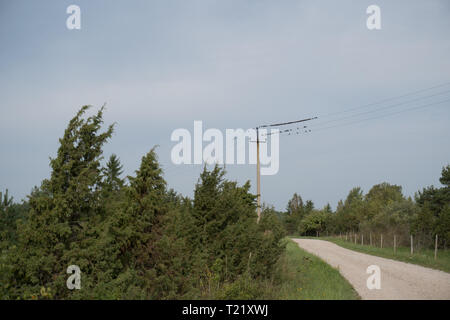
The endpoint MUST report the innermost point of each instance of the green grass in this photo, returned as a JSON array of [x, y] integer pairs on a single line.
[[304, 276], [424, 257], [298, 275]]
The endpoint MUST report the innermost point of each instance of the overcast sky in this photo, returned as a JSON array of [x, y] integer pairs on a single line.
[[160, 65]]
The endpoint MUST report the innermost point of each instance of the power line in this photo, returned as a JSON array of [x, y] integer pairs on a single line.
[[384, 108], [285, 123], [289, 131], [258, 165], [384, 115], [386, 100]]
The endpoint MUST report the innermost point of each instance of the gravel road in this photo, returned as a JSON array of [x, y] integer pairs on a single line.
[[399, 280]]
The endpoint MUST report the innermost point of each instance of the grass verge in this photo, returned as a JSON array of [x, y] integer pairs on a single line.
[[424, 257], [304, 276]]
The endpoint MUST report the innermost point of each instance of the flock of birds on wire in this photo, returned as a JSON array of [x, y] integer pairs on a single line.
[[354, 114]]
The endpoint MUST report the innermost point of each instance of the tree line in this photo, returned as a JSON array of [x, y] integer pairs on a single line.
[[133, 237], [382, 210]]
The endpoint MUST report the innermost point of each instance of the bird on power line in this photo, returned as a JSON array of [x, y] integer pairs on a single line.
[[258, 178]]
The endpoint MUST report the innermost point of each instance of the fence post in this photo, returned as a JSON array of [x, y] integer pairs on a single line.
[[346, 236], [412, 245], [355, 238], [395, 250], [381, 241], [435, 247], [370, 235], [362, 239]]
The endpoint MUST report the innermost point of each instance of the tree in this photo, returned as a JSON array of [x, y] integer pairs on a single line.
[[445, 176], [150, 258], [112, 173], [6, 223], [10, 214], [226, 220], [58, 229], [295, 205], [5, 201], [228, 241], [433, 216], [396, 217], [315, 222], [349, 212], [296, 210]]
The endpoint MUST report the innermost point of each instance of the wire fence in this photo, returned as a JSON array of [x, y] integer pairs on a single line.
[[415, 243]]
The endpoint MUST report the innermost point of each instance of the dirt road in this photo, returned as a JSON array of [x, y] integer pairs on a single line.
[[399, 280]]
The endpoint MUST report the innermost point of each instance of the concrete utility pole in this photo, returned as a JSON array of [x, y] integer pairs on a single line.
[[258, 166], [258, 177]]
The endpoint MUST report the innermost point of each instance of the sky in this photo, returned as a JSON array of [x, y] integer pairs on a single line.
[[160, 65]]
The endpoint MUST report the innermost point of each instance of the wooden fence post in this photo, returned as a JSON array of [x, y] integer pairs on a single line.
[[370, 235], [412, 245], [362, 239], [381, 241], [395, 250], [435, 247]]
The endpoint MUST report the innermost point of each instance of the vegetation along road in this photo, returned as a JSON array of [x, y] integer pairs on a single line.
[[398, 280]]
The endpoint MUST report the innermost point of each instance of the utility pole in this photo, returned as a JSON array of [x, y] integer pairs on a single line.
[[258, 165], [258, 177]]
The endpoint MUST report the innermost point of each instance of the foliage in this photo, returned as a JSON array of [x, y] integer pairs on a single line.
[[141, 240], [382, 210], [112, 173], [135, 240], [227, 238]]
